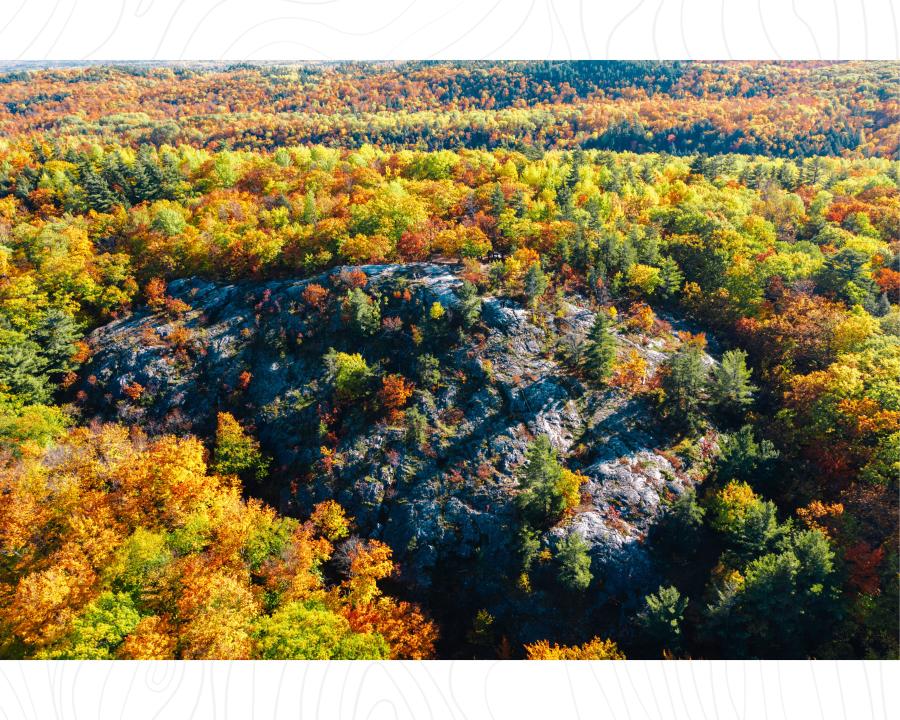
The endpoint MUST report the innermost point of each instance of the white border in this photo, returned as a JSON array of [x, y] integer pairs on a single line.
[[452, 690], [238, 30]]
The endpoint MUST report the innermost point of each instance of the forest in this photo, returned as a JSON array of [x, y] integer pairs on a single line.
[[711, 250]]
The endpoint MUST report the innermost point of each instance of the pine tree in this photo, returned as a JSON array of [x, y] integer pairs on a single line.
[[684, 385], [535, 283], [671, 276], [498, 201], [469, 304], [600, 350], [574, 563], [662, 616], [99, 196], [730, 388]]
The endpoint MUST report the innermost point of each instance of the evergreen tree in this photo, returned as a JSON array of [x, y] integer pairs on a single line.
[[662, 617], [600, 350], [363, 313], [684, 384], [671, 276], [574, 563], [469, 304], [99, 196], [540, 500], [535, 283], [498, 201], [730, 388]]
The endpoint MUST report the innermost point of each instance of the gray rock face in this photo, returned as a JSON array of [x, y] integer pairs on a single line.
[[447, 507]]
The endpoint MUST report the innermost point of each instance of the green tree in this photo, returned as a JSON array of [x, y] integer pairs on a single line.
[[845, 275], [677, 534], [662, 617], [469, 304], [535, 283], [309, 631], [747, 524], [428, 370], [416, 427], [574, 560], [98, 630], [543, 497], [781, 604], [237, 453], [684, 383], [599, 353], [23, 368], [349, 373], [730, 389], [741, 457], [362, 312]]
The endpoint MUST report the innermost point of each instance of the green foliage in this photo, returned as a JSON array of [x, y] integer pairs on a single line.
[[309, 631], [730, 389], [416, 427], [469, 304], [33, 424], [741, 457], [98, 630], [428, 370], [236, 452], [846, 276], [599, 353], [541, 499], [363, 313], [662, 617], [677, 534], [535, 283], [23, 368], [783, 601], [349, 373], [684, 384], [573, 557], [748, 524]]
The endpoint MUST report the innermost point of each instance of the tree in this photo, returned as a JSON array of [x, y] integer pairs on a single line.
[[309, 631], [535, 283], [416, 427], [846, 276], [349, 373], [574, 560], [730, 389], [747, 523], [23, 368], [237, 453], [330, 520], [545, 487], [595, 649], [98, 631], [684, 385], [676, 535], [362, 313], [779, 605], [662, 616], [428, 370], [469, 304], [741, 457], [600, 350], [394, 393]]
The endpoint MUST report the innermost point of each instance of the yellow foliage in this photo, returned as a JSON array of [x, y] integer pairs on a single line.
[[595, 649]]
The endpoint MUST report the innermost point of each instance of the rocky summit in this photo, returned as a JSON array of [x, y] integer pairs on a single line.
[[441, 488]]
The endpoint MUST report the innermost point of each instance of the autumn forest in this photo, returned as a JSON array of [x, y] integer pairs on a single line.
[[450, 360]]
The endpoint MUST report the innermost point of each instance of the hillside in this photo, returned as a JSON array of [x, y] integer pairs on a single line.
[[515, 395], [445, 499]]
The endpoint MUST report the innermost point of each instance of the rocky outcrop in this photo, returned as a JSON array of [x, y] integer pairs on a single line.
[[446, 507]]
